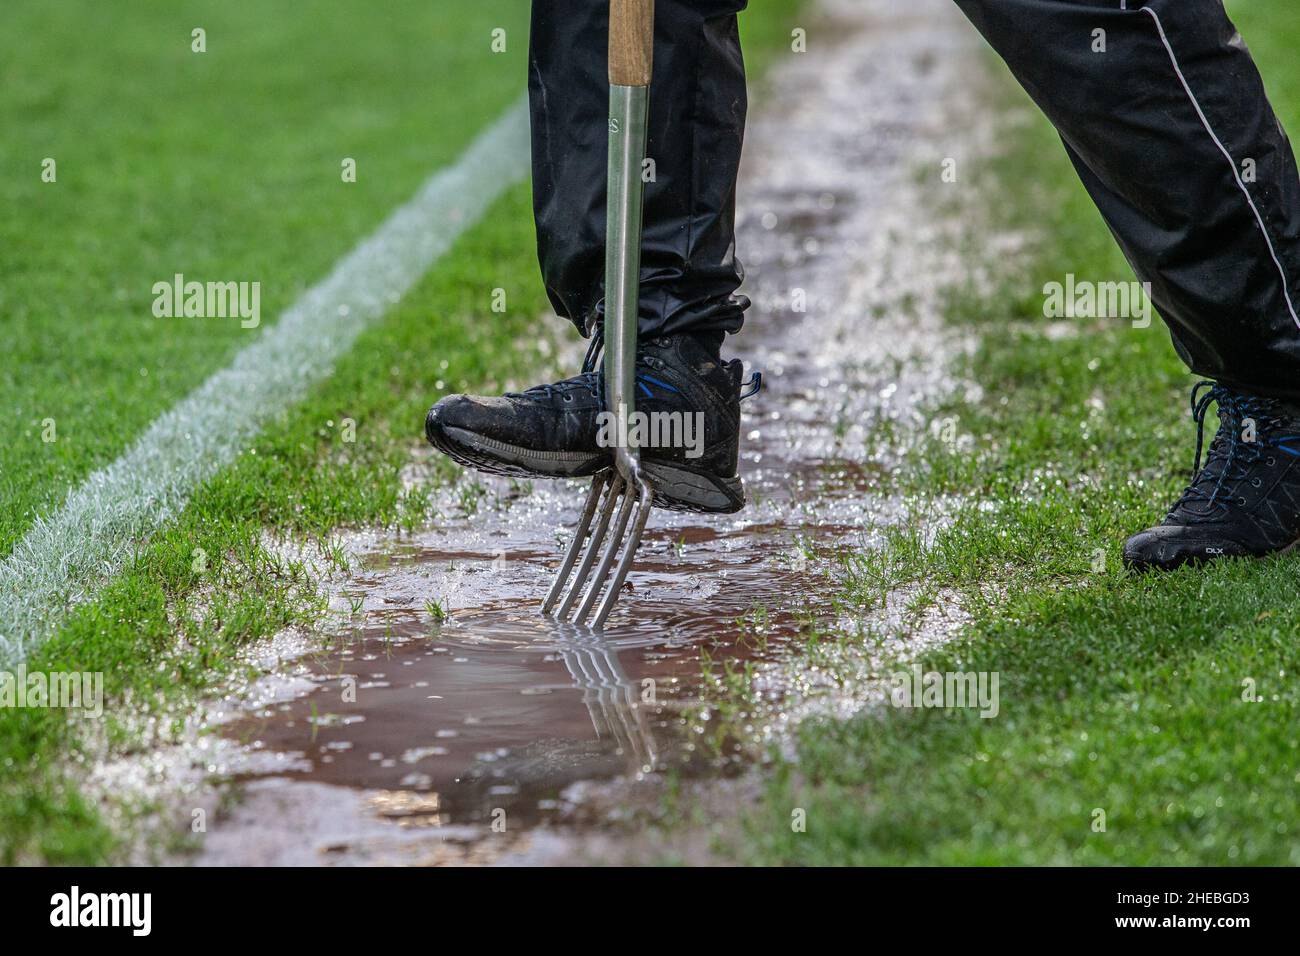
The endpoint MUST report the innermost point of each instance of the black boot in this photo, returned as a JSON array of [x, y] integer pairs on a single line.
[[1245, 501], [688, 416]]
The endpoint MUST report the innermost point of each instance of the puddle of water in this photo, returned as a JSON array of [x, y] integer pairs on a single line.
[[498, 709], [438, 724]]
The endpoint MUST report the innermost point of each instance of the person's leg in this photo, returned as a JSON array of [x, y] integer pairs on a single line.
[[1164, 116], [689, 270], [1175, 140]]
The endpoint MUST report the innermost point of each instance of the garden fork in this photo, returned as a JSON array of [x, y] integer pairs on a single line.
[[624, 487]]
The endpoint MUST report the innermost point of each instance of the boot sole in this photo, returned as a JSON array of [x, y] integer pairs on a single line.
[[677, 487], [1199, 559], [499, 458]]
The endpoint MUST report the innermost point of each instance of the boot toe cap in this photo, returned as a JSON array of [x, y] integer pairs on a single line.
[[441, 415], [467, 412]]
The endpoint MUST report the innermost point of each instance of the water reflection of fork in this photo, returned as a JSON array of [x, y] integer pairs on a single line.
[[610, 695]]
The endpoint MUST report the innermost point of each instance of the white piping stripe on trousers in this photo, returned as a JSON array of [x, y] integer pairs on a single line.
[[1286, 290], [65, 558]]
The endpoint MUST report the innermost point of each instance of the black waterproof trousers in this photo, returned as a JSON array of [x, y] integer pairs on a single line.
[[1163, 115]]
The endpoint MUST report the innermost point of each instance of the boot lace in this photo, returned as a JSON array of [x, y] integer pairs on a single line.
[[1231, 454]]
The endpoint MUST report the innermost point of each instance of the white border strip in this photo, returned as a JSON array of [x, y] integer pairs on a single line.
[[1236, 175], [65, 557]]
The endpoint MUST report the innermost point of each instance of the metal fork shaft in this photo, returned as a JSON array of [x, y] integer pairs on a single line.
[[627, 144]]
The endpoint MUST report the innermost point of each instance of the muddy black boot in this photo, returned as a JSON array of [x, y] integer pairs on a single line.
[[686, 423], [1245, 501]]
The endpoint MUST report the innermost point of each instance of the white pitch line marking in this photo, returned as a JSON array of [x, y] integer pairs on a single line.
[[65, 557]]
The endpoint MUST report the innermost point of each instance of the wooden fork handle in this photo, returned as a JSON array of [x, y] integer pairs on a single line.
[[631, 42]]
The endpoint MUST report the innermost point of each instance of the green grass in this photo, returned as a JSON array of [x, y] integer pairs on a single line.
[[230, 169], [1119, 693], [223, 165]]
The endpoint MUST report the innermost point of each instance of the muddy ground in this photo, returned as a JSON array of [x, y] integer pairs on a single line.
[[396, 736]]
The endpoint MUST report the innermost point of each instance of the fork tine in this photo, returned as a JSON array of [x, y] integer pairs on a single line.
[[629, 552], [607, 560], [579, 538], [607, 489], [616, 485]]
